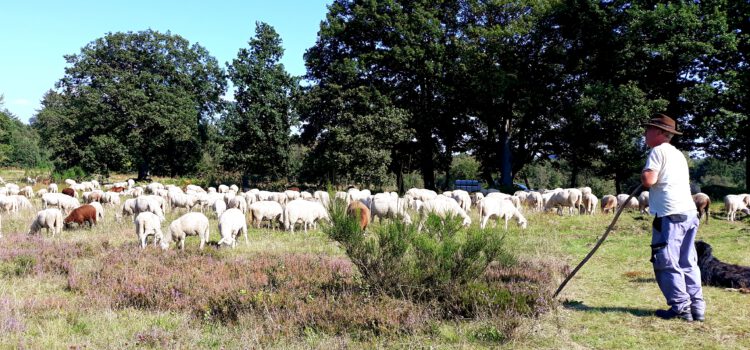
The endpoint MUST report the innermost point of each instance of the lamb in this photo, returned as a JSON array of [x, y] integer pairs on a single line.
[[643, 202], [359, 210], [262, 210], [190, 224], [501, 209], [232, 224], [48, 218], [307, 212], [442, 207], [84, 213], [733, 203], [609, 203], [702, 203], [386, 206], [147, 224]]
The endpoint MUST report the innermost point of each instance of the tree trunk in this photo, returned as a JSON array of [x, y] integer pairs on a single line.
[[400, 181], [618, 184], [143, 171], [427, 163], [574, 176], [506, 174]]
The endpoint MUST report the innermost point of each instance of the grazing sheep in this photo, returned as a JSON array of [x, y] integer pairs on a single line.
[[238, 202], [8, 204], [609, 203], [148, 204], [643, 202], [64, 202], [85, 213], [733, 203], [307, 212], [147, 224], [717, 273], [323, 197], [99, 210], [570, 198], [128, 208], [386, 206], [500, 209], [232, 224], [359, 210], [589, 203], [632, 204], [442, 207], [535, 201], [70, 192], [48, 218], [27, 192], [219, 206], [463, 198], [702, 202], [52, 188], [262, 210], [190, 224]]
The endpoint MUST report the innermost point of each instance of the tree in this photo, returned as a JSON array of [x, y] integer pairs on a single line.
[[258, 128], [133, 101]]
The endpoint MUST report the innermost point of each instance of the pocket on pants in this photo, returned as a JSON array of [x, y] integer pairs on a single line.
[[656, 224], [660, 256]]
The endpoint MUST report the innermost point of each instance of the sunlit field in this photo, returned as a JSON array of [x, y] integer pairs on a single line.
[[96, 288]]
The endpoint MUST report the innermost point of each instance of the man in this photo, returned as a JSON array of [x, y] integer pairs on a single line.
[[675, 225]]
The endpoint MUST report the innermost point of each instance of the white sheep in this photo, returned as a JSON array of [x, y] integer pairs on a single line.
[[632, 204], [643, 202], [386, 206], [181, 200], [190, 224], [64, 202], [535, 201], [48, 218], [590, 203], [570, 198], [323, 197], [265, 210], [733, 203], [232, 224], [8, 204], [99, 210], [307, 212], [147, 224], [148, 204], [27, 191], [442, 207], [219, 206], [463, 198], [238, 202], [500, 209]]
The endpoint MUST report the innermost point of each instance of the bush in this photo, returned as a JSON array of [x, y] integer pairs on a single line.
[[432, 266]]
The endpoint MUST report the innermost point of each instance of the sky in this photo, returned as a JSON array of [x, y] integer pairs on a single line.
[[35, 35]]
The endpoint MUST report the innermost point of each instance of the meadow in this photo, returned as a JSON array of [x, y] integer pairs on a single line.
[[97, 289]]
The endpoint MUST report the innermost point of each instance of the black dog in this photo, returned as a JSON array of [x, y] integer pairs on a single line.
[[720, 274]]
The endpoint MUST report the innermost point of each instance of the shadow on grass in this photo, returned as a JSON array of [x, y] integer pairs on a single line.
[[644, 280], [580, 306]]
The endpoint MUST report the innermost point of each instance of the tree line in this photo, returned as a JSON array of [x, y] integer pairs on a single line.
[[394, 87]]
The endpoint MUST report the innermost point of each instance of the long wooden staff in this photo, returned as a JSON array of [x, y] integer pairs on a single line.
[[601, 240]]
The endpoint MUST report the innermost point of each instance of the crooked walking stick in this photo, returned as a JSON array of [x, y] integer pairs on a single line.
[[601, 240]]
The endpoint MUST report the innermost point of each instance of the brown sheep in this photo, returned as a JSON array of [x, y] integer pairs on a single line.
[[117, 189], [359, 208], [702, 202], [84, 213], [69, 191], [609, 202]]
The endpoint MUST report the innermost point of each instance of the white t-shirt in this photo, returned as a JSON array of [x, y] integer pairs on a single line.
[[671, 192]]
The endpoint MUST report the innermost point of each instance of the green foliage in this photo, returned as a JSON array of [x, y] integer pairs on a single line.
[[465, 166], [257, 126], [75, 173], [19, 143], [132, 101], [20, 265], [434, 265]]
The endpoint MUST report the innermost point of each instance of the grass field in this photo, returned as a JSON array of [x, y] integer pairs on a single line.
[[608, 305]]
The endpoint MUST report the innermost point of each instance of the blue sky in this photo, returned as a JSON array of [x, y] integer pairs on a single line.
[[34, 35]]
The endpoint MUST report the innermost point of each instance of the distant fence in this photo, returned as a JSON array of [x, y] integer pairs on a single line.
[[468, 185]]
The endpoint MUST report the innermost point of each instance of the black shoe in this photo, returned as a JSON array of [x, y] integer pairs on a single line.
[[698, 317], [670, 314]]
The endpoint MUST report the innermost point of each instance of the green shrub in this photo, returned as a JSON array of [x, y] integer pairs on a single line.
[[433, 265], [20, 265]]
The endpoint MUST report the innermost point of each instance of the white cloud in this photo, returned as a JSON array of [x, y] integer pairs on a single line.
[[21, 102]]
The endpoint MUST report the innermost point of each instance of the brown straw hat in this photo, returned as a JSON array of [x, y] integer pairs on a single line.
[[662, 121]]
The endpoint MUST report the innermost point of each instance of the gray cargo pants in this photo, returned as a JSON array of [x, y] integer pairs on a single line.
[[676, 262]]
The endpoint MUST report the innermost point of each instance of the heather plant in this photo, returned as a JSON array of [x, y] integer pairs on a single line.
[[444, 263]]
